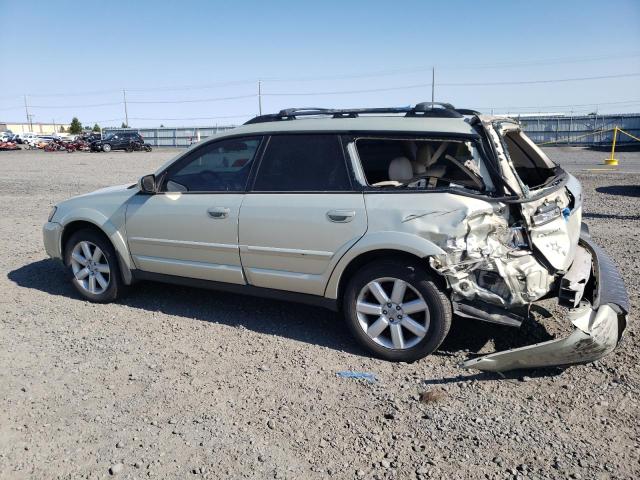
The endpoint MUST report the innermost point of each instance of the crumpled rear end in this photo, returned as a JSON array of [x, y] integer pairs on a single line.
[[600, 321]]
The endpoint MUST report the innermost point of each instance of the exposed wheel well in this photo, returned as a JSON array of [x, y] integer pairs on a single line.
[[386, 254], [73, 227]]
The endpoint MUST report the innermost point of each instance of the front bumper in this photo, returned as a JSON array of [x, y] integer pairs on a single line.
[[600, 323], [51, 233]]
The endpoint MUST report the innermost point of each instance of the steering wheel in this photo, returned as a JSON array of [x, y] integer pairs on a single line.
[[211, 174]]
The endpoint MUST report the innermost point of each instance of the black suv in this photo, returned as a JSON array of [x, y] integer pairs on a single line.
[[116, 141]]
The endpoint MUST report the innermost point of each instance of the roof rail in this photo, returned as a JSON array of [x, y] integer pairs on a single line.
[[424, 109]]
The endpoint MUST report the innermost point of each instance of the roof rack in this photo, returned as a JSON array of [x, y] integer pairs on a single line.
[[424, 109]]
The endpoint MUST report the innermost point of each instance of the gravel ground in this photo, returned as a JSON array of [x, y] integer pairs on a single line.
[[173, 382]]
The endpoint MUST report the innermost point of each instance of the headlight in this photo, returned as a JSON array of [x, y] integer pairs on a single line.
[[52, 213]]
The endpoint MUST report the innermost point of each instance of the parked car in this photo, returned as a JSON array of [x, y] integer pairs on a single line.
[[396, 217], [39, 141], [27, 137], [116, 141], [6, 136], [90, 137]]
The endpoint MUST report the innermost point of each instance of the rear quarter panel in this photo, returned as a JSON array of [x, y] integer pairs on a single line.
[[421, 223]]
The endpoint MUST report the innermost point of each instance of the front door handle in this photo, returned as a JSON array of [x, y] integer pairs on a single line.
[[218, 212], [341, 216]]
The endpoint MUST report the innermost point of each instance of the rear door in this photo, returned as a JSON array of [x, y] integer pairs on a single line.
[[301, 215]]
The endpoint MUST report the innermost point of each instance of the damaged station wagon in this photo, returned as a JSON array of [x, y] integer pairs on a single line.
[[397, 217]]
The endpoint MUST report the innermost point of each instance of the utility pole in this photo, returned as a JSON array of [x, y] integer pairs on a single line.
[[26, 109], [126, 114], [259, 97], [433, 84]]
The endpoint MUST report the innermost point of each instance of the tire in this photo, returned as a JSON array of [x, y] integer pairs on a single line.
[[94, 290], [413, 343], [106, 147]]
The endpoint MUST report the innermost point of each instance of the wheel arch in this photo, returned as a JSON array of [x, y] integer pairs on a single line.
[[406, 247], [106, 229]]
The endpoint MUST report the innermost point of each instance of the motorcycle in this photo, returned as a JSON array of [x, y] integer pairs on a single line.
[[55, 145], [78, 145], [8, 146], [137, 146]]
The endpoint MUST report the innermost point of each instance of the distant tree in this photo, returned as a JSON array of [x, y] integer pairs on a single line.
[[161, 126], [62, 130], [124, 125], [75, 127], [96, 128]]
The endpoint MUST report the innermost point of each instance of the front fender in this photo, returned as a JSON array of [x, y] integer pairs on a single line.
[[398, 241], [113, 228]]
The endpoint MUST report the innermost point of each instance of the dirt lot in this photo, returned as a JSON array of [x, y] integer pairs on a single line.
[[173, 382]]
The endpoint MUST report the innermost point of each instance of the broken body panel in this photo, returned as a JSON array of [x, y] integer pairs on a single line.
[[500, 254]]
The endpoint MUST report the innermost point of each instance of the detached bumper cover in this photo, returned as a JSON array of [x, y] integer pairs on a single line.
[[599, 325]]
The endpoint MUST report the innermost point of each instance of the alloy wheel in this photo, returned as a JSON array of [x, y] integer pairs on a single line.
[[392, 313], [90, 267]]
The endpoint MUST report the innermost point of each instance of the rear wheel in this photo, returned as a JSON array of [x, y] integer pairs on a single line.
[[94, 265], [396, 311]]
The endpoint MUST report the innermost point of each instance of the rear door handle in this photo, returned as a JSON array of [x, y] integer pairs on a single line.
[[341, 216], [218, 212]]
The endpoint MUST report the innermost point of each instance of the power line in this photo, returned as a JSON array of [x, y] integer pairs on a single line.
[[77, 106], [197, 100], [453, 84], [196, 118], [370, 74], [574, 105]]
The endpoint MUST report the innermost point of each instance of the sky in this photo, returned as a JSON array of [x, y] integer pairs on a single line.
[[199, 62]]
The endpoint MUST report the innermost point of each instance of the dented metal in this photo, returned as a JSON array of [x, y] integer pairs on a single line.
[[510, 255]]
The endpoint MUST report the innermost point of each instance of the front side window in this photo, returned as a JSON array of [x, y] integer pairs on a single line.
[[300, 163], [216, 167]]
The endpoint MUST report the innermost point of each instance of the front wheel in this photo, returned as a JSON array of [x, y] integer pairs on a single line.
[[106, 147], [94, 265], [396, 311]]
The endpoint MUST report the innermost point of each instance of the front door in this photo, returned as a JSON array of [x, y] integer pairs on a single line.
[[301, 215], [190, 227]]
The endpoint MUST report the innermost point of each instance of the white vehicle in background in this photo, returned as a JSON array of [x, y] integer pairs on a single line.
[[5, 136], [33, 141], [27, 137]]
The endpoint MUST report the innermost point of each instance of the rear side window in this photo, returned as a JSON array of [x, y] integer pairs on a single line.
[[303, 163]]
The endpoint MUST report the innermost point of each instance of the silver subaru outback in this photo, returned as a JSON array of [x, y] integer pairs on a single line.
[[396, 217]]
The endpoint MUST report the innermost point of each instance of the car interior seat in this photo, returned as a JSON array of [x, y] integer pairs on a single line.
[[400, 169]]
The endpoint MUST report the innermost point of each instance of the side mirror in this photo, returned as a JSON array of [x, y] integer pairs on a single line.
[[147, 184]]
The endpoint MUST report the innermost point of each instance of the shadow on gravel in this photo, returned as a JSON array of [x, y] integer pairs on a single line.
[[299, 322], [621, 190], [512, 375], [473, 335], [611, 216]]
